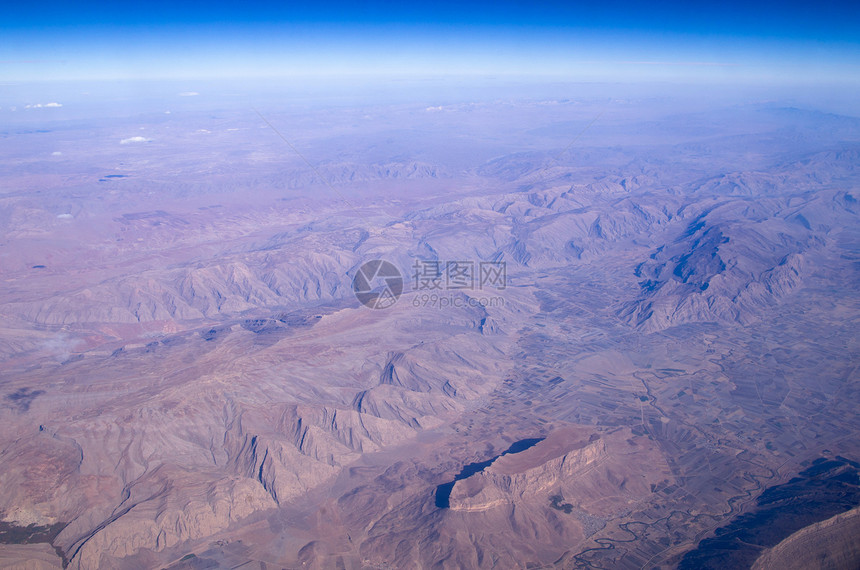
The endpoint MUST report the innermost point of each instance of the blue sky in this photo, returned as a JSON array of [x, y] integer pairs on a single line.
[[596, 40]]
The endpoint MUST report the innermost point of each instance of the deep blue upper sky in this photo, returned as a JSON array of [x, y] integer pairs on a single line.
[[593, 39], [825, 20]]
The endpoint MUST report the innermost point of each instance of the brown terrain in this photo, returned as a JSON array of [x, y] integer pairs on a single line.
[[187, 380]]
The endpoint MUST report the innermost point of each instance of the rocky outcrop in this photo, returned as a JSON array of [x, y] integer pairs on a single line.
[[830, 544], [583, 467], [498, 485]]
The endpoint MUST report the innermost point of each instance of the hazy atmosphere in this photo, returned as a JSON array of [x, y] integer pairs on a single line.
[[354, 286]]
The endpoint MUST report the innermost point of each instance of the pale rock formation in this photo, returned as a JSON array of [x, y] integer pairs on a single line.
[[830, 544], [495, 486]]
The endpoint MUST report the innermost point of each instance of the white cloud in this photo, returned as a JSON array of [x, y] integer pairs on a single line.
[[56, 153], [189, 94], [134, 140], [61, 346], [65, 216], [53, 105], [40, 105]]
